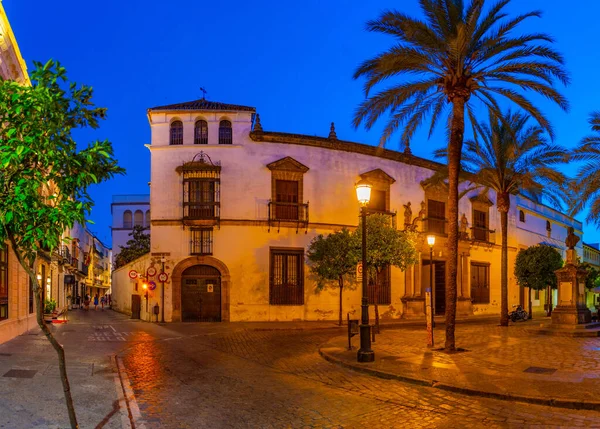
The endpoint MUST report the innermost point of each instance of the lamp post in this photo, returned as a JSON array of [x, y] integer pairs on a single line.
[[430, 322], [145, 287], [365, 354], [162, 305]]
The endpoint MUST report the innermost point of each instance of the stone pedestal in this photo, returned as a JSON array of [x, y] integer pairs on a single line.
[[571, 308]]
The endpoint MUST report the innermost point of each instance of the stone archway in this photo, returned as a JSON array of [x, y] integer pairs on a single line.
[[201, 260]]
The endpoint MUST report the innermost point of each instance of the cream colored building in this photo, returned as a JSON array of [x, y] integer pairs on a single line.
[[234, 209], [16, 299], [128, 211]]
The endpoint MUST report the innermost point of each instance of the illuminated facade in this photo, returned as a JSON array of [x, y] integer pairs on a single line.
[[235, 207]]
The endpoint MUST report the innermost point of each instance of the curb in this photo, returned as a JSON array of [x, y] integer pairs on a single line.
[[537, 400]]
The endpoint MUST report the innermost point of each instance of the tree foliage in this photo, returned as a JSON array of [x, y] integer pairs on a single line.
[[535, 266], [593, 276], [44, 178], [333, 258], [138, 246]]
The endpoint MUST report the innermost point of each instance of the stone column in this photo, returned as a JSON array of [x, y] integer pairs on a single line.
[[571, 308]]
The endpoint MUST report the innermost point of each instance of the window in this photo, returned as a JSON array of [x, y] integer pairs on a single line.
[[480, 225], [225, 133], [436, 217], [548, 226], [480, 283], [4, 283], [138, 218], [521, 216], [176, 136], [201, 243], [286, 199], [286, 285], [201, 199], [201, 132], [127, 219], [380, 290], [147, 221], [377, 200]]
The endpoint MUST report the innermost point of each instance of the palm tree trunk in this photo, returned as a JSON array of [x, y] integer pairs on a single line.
[[503, 205], [454, 156], [341, 283]]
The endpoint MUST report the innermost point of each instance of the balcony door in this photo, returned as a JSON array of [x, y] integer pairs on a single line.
[[202, 199], [286, 197]]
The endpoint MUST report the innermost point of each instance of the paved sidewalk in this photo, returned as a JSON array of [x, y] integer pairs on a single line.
[[511, 363]]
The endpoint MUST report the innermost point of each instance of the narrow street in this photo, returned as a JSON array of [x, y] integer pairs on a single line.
[[228, 376]]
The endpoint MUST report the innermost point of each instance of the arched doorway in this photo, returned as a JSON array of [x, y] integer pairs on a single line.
[[201, 294]]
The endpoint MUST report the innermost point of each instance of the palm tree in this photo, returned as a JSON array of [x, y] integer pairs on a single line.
[[587, 181], [512, 157], [459, 53]]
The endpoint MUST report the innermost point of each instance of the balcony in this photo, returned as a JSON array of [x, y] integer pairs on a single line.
[[436, 226], [65, 255], [84, 269], [483, 235], [296, 213], [202, 211]]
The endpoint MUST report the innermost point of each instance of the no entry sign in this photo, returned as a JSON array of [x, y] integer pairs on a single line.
[[163, 277], [133, 274]]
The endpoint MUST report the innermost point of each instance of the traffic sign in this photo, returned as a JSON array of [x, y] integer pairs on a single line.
[[151, 285], [133, 274], [151, 272], [359, 272], [163, 277]]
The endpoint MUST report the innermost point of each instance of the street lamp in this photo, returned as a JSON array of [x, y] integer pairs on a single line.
[[365, 354], [162, 315], [431, 242]]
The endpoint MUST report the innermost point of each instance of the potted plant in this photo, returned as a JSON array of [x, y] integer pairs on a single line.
[[49, 307]]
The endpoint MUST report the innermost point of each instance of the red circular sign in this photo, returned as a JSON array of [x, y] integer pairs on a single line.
[[133, 274], [163, 277], [151, 272]]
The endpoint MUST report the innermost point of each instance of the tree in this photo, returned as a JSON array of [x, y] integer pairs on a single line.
[[458, 54], [592, 279], [138, 246], [334, 257], [587, 180], [44, 179], [535, 267], [513, 157], [386, 246]]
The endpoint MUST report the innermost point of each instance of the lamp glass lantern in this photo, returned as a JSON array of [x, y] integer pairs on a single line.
[[431, 240], [363, 191]]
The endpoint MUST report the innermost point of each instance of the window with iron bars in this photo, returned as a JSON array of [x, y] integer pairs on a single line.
[[201, 132], [201, 242], [286, 283], [225, 132], [176, 136]]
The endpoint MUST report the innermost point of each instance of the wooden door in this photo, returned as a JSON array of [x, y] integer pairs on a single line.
[[201, 299], [439, 278], [286, 194], [136, 306]]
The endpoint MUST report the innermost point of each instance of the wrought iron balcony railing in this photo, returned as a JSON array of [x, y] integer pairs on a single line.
[[288, 212], [199, 211]]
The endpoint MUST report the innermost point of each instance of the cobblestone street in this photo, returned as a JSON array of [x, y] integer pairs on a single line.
[[231, 376]]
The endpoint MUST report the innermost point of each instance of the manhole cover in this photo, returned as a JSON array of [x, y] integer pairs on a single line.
[[5, 354], [540, 370], [20, 373]]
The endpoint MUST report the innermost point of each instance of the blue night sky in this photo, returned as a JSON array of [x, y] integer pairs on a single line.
[[293, 61]]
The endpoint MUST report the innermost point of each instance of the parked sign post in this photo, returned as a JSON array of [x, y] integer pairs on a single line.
[[429, 315]]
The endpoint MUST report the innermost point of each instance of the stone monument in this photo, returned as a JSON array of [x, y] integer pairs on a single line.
[[571, 309]]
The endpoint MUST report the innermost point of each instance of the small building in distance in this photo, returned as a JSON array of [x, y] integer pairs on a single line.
[[128, 211]]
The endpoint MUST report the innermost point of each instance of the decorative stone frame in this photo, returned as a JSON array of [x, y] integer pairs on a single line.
[[381, 181], [287, 169], [201, 260]]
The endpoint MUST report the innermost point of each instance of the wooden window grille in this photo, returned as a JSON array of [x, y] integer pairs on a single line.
[[480, 225], [201, 132], [379, 289], [480, 283], [286, 285], [436, 217], [201, 242], [225, 132], [286, 199], [201, 198], [176, 136], [4, 283]]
